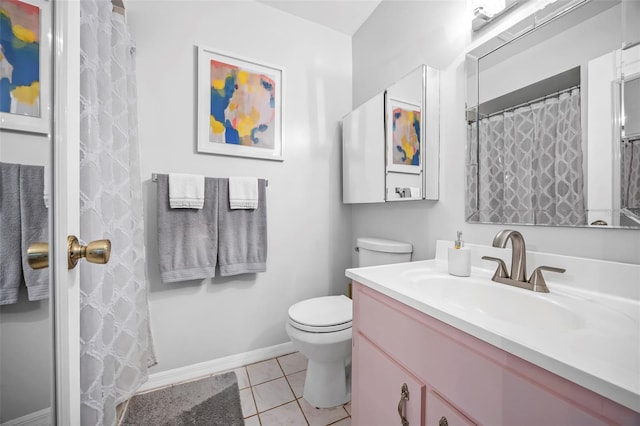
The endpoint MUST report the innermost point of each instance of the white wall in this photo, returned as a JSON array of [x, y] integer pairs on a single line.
[[308, 226], [439, 31]]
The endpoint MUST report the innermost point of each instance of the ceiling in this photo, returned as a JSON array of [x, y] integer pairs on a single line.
[[345, 16]]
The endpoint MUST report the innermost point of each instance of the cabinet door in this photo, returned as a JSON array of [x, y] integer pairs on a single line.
[[441, 413], [377, 389]]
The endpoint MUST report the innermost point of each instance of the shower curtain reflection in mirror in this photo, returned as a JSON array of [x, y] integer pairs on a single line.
[[525, 164]]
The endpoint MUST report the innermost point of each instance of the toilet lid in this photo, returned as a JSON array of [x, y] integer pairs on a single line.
[[322, 314]]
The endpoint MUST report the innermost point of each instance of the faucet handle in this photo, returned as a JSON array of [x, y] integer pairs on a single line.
[[537, 280], [501, 272]]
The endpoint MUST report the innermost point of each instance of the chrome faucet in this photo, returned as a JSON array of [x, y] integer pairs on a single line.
[[518, 276]]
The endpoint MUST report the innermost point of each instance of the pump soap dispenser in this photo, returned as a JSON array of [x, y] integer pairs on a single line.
[[459, 258]]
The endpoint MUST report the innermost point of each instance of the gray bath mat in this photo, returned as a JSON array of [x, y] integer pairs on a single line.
[[211, 401]]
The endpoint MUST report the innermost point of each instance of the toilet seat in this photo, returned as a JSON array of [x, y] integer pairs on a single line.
[[322, 314]]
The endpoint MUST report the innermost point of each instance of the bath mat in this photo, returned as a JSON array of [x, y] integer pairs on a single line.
[[211, 401]]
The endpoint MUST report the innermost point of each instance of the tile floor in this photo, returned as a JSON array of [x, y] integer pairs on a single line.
[[271, 394]]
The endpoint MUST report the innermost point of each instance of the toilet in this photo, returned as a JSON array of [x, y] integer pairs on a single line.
[[320, 328]]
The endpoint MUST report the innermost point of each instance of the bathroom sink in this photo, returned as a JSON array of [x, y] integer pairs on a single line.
[[498, 301]]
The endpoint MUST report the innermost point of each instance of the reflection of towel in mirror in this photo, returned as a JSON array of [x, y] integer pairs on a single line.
[[187, 238], [10, 246], [34, 225], [242, 246]]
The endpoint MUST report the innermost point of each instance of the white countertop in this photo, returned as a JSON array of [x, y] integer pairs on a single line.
[[589, 337]]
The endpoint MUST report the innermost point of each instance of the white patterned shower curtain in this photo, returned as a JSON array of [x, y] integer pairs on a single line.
[[526, 166], [630, 174], [115, 341]]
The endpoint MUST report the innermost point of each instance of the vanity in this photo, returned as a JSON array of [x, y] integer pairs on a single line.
[[433, 349]]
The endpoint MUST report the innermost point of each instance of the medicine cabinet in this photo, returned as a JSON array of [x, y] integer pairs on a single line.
[[390, 144]]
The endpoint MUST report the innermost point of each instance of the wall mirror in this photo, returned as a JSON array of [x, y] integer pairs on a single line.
[[390, 144], [26, 310], [553, 119]]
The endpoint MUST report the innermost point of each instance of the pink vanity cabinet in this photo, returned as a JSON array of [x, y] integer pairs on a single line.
[[453, 378]]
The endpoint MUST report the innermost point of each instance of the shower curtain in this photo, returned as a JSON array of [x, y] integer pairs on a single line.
[[115, 341], [630, 175], [527, 164]]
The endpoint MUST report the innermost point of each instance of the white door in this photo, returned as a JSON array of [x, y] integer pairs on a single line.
[[66, 204]]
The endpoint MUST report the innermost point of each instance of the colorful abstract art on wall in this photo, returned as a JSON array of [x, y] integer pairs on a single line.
[[406, 136], [242, 106], [239, 106], [20, 58]]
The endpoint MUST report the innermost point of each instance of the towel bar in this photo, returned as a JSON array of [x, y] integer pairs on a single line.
[[154, 178]]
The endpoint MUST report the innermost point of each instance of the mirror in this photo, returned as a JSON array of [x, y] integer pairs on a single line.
[[390, 144], [547, 138], [26, 316], [404, 130]]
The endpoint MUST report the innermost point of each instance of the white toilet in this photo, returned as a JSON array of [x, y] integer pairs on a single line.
[[320, 328]]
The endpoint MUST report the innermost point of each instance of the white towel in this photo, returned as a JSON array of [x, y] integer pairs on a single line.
[[243, 193], [186, 191]]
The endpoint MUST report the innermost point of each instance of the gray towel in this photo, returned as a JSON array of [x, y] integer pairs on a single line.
[[10, 245], [242, 240], [35, 227], [187, 238]]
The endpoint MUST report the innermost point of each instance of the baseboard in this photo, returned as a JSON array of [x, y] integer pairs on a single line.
[[190, 372], [39, 418]]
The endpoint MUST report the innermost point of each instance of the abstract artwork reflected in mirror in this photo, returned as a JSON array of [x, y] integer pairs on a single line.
[[543, 105]]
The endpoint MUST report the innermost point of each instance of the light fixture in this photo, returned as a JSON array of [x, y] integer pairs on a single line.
[[484, 11]]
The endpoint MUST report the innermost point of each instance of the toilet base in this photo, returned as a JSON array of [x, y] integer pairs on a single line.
[[327, 384]]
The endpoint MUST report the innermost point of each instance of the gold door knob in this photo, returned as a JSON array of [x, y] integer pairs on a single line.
[[38, 255], [95, 252]]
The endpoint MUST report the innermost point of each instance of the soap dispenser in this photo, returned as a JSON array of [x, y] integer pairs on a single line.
[[459, 258]]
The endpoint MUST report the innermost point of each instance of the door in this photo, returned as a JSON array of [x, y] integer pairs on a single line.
[[384, 393], [66, 210]]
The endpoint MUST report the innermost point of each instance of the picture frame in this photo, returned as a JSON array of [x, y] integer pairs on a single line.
[[239, 106], [404, 136], [25, 74]]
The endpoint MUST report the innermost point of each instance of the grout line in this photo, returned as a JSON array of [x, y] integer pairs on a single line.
[[302, 411]]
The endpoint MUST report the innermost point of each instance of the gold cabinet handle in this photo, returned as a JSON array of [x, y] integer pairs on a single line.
[[443, 421], [38, 255], [402, 405], [95, 252]]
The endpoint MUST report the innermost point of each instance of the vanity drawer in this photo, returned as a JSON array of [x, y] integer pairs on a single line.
[[441, 413]]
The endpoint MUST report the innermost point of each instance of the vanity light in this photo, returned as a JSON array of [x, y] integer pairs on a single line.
[[484, 11]]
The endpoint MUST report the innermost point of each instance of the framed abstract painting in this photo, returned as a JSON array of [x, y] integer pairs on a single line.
[[239, 106], [25, 65], [404, 144]]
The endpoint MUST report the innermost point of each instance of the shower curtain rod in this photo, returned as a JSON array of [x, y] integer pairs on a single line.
[[533, 101], [154, 178]]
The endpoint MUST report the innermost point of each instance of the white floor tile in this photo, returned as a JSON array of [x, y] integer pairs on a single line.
[[293, 363], [343, 422], [243, 378], [322, 416], [285, 415], [271, 394], [296, 380], [247, 402], [264, 371], [252, 421]]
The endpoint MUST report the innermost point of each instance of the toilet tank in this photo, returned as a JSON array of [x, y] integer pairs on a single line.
[[377, 251]]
